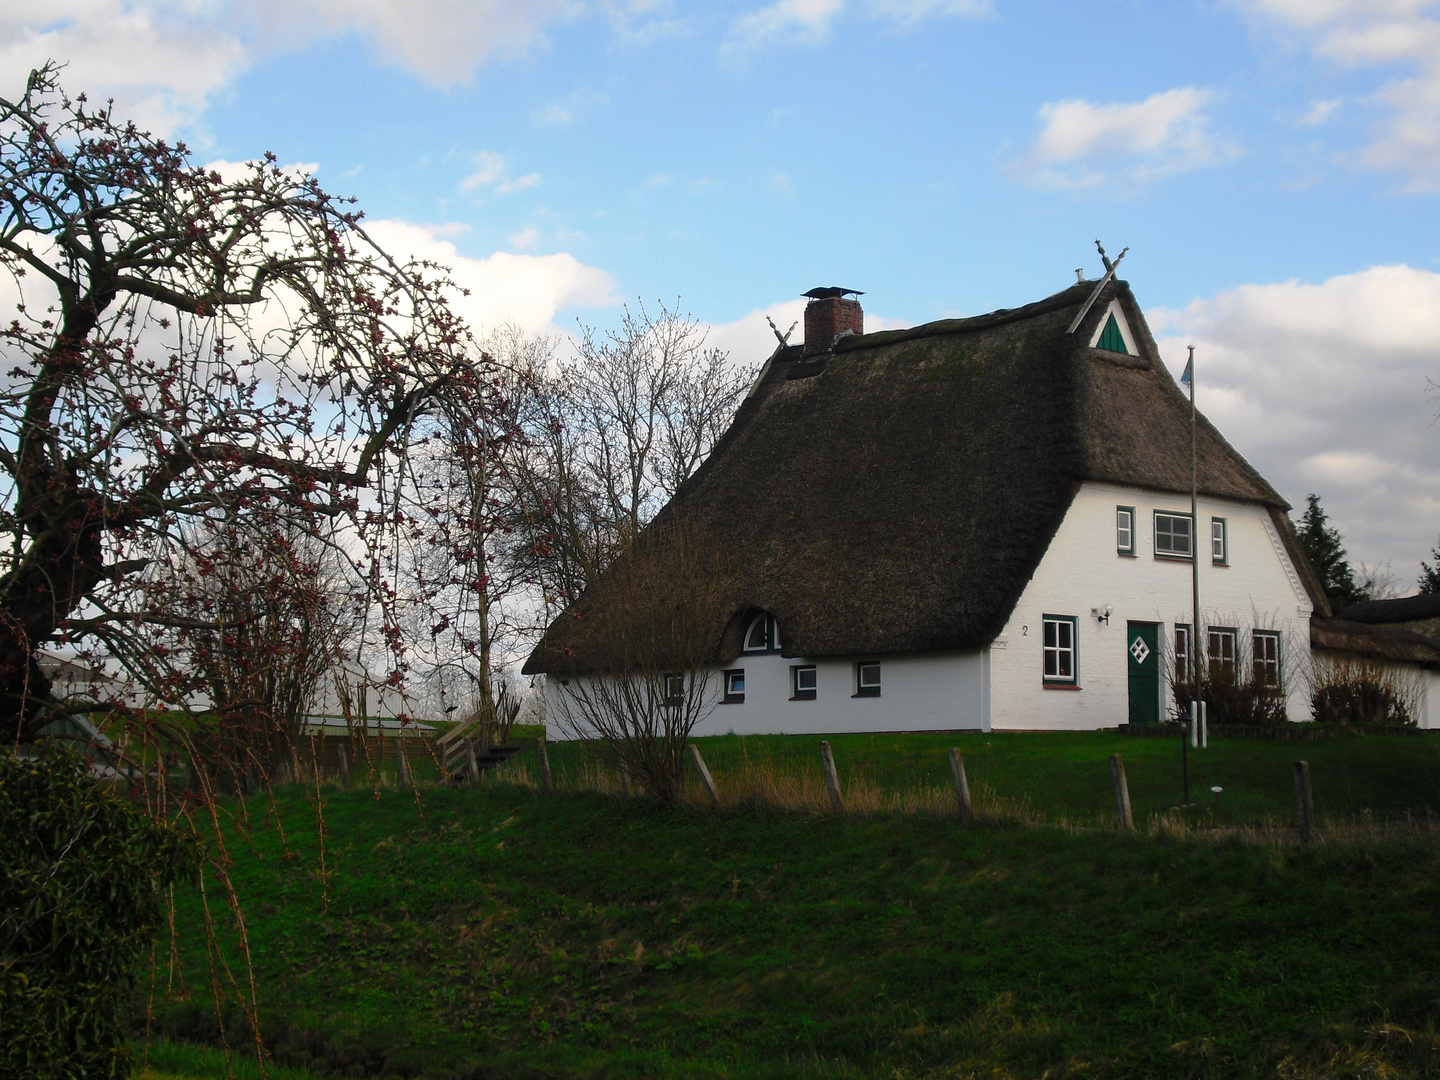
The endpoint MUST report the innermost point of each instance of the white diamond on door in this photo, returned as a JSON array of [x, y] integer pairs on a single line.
[[1139, 650]]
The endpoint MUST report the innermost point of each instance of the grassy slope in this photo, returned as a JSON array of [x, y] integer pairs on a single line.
[[1067, 775], [580, 935]]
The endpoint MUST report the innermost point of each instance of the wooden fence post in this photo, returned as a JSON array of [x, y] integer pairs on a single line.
[[962, 787], [1122, 793], [401, 771], [624, 776], [471, 761], [705, 777], [546, 784], [1304, 802], [343, 753], [832, 779]]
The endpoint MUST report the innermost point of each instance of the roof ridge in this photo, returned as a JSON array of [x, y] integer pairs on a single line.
[[1073, 295]]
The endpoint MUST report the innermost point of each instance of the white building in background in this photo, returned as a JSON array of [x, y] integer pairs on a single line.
[[973, 524]]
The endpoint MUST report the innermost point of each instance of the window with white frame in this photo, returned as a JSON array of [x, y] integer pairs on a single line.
[[734, 687], [674, 689], [1184, 663], [1219, 542], [1221, 654], [867, 678], [1060, 652], [803, 682], [762, 635], [1125, 530], [1265, 656], [1174, 537]]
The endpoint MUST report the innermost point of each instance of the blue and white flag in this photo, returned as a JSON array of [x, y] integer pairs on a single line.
[[1189, 375]]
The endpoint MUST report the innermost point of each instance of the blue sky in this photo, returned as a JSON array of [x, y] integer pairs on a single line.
[[1272, 164]]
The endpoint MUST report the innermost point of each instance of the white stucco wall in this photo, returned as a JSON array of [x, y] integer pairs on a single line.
[[1002, 686], [918, 692], [1427, 698], [1081, 571]]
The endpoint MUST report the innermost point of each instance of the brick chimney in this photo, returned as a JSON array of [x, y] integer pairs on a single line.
[[829, 314]]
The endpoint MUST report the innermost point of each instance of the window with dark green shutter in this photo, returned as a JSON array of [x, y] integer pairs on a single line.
[[1112, 339]]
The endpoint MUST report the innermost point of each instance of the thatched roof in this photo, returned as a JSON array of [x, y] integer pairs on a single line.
[[897, 493], [1402, 610], [1374, 642]]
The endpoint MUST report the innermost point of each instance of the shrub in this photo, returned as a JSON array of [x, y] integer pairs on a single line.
[[1362, 692], [82, 874], [1229, 700]]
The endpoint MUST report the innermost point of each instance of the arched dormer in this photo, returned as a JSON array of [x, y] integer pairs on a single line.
[[762, 634]]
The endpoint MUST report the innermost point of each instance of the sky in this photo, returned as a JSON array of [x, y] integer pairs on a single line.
[[1272, 165]]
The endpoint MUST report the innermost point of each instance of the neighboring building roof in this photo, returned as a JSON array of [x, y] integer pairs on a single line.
[[71, 671], [1375, 642], [896, 493], [1401, 610]]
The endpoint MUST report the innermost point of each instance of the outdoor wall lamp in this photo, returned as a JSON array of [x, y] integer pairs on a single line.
[[1102, 614]]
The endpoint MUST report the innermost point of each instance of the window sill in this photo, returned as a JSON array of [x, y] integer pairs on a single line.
[[1220, 565], [1174, 558], [1061, 686], [1125, 554], [866, 693], [803, 697], [732, 701]]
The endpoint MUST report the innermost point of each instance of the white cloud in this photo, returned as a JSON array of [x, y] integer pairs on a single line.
[[439, 41], [488, 167], [160, 61], [525, 238], [232, 171], [1082, 144], [508, 187], [642, 22], [909, 12], [1320, 112], [786, 23], [792, 23], [573, 107], [490, 172], [1325, 388], [1396, 34], [526, 290]]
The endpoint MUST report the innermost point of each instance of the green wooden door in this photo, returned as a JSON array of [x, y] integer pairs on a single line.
[[1141, 641]]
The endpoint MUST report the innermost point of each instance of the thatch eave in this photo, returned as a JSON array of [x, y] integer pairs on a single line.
[[1369, 641]]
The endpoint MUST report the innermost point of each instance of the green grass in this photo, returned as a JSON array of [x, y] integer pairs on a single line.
[[1066, 775], [172, 1061], [494, 931]]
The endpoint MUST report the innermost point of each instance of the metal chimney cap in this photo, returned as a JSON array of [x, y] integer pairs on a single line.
[[830, 293]]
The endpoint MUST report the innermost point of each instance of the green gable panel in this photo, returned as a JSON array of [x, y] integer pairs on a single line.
[[1112, 339]]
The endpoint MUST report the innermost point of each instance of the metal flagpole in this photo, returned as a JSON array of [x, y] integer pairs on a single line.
[[1199, 697]]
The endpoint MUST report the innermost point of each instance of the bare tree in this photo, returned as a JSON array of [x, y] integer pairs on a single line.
[[188, 348], [455, 584], [270, 620], [652, 680], [607, 438]]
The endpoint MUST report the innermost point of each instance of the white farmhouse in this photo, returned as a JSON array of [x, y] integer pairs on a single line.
[[973, 524]]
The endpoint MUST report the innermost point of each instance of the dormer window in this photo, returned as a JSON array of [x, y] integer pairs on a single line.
[[1113, 333], [762, 635]]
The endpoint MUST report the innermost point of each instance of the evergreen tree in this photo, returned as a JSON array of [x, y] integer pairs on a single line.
[[1430, 575], [1326, 552]]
